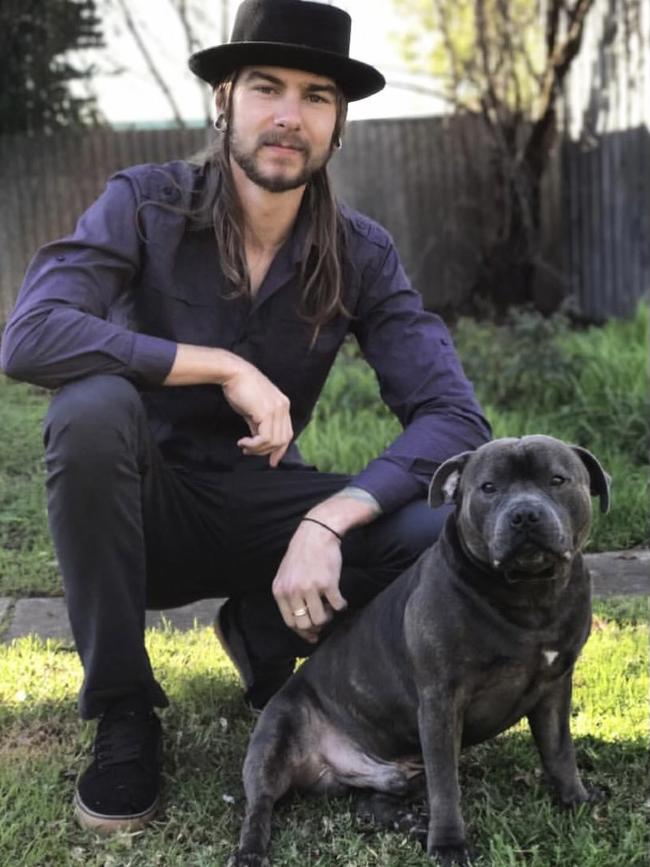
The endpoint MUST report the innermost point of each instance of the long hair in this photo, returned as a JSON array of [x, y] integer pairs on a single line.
[[218, 207]]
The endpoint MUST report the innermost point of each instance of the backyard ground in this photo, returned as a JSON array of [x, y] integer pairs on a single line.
[[589, 387]]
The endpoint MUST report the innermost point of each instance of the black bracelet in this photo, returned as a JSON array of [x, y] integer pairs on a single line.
[[321, 524]]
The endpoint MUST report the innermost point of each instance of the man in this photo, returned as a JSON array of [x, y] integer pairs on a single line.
[[189, 324]]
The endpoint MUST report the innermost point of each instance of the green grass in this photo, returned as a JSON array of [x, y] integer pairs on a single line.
[[512, 818], [589, 387]]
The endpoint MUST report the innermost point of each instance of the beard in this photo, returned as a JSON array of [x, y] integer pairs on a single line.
[[277, 180]]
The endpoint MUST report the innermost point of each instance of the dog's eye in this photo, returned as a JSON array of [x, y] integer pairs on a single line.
[[488, 488], [556, 481]]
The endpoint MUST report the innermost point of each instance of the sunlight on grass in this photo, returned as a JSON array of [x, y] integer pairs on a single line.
[[43, 747]]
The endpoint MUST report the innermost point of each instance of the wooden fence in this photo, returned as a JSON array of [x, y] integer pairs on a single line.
[[428, 180]]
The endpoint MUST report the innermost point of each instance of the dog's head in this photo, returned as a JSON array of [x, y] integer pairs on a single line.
[[523, 506]]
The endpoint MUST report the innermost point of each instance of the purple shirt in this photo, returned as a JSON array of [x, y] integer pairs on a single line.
[[115, 299]]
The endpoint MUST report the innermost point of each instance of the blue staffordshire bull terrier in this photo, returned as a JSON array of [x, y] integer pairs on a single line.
[[482, 631]]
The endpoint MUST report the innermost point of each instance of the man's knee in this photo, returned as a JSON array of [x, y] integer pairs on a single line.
[[375, 555], [91, 419], [412, 529]]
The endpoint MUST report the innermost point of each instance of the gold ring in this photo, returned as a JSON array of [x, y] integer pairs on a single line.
[[300, 612]]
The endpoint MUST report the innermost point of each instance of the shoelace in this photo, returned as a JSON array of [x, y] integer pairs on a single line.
[[120, 740]]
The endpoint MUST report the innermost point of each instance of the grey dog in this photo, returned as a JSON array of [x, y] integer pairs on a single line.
[[483, 630]]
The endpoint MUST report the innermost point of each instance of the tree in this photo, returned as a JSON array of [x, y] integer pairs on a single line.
[[194, 23], [506, 60], [36, 65]]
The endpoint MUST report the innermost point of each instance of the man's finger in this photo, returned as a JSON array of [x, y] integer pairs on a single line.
[[333, 596], [277, 455], [285, 611], [314, 604]]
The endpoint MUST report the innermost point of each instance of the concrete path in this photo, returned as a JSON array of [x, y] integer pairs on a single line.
[[623, 573]]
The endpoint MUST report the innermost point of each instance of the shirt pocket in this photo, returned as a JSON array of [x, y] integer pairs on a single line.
[[185, 314]]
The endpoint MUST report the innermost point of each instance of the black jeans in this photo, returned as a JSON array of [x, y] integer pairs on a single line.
[[132, 532]]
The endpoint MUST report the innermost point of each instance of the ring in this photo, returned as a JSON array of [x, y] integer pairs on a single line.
[[300, 612]]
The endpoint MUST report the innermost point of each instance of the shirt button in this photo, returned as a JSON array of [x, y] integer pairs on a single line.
[[60, 258]]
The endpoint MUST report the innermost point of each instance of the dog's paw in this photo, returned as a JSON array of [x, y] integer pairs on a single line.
[[450, 856], [590, 795], [247, 859]]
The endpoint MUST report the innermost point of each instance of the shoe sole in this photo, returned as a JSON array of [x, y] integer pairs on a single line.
[[102, 824]]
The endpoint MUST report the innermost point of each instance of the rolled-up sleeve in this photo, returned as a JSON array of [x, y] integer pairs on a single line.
[[421, 379], [60, 328]]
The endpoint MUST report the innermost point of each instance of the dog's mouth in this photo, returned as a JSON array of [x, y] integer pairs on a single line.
[[532, 563]]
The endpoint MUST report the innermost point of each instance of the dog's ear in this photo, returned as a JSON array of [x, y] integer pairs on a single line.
[[599, 480], [445, 481]]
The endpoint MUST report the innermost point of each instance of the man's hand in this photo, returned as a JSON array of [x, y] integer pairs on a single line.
[[265, 409], [306, 586], [251, 394]]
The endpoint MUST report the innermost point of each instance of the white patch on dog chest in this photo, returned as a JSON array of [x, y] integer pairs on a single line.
[[550, 656]]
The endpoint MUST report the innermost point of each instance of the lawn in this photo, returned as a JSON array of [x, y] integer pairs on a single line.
[[589, 387], [512, 817]]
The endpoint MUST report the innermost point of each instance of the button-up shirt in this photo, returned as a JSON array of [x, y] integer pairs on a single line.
[[135, 279]]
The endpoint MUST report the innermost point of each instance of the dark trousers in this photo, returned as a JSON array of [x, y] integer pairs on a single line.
[[132, 532]]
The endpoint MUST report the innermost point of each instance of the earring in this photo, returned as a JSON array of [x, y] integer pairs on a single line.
[[221, 124], [338, 144]]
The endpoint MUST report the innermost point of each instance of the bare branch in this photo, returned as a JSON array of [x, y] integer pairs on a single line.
[[553, 9], [153, 69], [449, 46], [193, 44]]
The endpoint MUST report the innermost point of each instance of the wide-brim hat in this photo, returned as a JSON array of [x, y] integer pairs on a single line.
[[296, 34]]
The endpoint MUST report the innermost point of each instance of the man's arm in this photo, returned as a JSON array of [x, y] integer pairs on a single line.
[[308, 577], [59, 330], [422, 381], [251, 395]]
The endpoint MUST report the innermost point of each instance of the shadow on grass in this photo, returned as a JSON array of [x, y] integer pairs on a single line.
[[511, 816]]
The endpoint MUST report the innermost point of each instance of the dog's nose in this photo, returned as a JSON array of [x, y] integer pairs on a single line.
[[524, 516]]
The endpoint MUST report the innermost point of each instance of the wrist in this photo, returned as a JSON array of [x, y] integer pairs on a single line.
[[199, 365], [317, 522]]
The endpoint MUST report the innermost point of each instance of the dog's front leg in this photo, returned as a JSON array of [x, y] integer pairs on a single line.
[[440, 728], [549, 723]]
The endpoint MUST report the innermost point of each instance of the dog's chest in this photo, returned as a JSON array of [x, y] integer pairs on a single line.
[[507, 688]]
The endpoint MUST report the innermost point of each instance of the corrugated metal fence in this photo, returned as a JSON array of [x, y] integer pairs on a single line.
[[427, 180]]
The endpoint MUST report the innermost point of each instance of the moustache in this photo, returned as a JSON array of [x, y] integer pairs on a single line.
[[285, 141]]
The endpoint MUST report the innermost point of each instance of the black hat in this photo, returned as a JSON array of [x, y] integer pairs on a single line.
[[296, 34]]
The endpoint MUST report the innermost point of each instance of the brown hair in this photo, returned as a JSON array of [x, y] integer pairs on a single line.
[[218, 207]]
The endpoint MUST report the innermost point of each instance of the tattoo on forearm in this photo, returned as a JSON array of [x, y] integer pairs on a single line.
[[353, 493]]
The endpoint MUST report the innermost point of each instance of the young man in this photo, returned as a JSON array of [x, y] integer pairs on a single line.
[[189, 324]]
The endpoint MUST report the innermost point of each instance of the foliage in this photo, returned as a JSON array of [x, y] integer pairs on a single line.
[[37, 67], [507, 61], [442, 39], [534, 375]]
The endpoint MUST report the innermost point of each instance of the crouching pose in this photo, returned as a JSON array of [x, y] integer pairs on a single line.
[[188, 325]]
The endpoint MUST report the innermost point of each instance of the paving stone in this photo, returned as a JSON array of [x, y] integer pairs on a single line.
[[197, 613], [620, 573], [49, 618], [5, 602], [45, 617]]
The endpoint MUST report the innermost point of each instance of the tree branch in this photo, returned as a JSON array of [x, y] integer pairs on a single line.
[[193, 44], [153, 69]]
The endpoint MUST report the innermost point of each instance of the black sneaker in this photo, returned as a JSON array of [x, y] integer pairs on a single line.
[[120, 789], [261, 679]]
